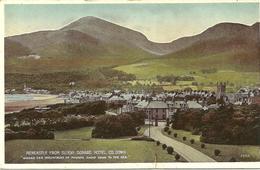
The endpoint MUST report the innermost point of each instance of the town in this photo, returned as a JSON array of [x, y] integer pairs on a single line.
[[197, 115], [165, 104]]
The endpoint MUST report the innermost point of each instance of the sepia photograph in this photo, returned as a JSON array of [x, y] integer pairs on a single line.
[[131, 82]]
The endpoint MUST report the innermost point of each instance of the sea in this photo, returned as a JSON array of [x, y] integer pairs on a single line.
[[27, 97], [18, 97]]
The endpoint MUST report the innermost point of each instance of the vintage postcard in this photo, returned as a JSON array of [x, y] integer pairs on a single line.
[[119, 84]]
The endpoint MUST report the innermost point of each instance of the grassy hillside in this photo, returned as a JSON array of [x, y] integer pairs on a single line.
[[90, 43], [102, 78], [227, 69], [15, 49]]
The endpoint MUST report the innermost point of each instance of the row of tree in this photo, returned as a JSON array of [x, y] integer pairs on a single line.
[[116, 74], [57, 82], [209, 71], [56, 117], [223, 126], [173, 79]]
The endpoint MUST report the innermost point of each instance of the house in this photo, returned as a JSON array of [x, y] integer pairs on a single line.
[[194, 105], [72, 100], [105, 97], [141, 106], [157, 110], [41, 109], [242, 96], [127, 97], [255, 100], [117, 100], [130, 105], [212, 106], [230, 98], [175, 106]]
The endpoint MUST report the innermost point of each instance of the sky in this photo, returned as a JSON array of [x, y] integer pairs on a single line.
[[158, 22]]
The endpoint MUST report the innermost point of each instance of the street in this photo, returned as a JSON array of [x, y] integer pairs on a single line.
[[187, 152]]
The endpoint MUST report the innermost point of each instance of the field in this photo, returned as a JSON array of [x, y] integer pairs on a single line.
[[86, 74], [79, 140], [85, 133], [81, 133], [233, 74], [240, 153]]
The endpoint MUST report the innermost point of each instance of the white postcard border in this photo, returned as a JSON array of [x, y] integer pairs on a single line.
[[3, 165]]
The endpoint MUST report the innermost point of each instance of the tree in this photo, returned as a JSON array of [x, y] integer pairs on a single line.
[[138, 118], [170, 150], [164, 146], [221, 101], [216, 152], [166, 128], [177, 157], [110, 126], [232, 159]]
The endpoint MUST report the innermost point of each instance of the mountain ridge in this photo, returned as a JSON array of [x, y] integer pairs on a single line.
[[91, 37]]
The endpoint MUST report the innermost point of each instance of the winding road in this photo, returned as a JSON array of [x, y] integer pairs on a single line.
[[187, 152]]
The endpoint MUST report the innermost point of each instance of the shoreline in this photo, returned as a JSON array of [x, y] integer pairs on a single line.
[[38, 100]]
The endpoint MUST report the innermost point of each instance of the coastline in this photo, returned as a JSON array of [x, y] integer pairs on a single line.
[[38, 100]]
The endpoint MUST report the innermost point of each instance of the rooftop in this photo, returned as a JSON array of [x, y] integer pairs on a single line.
[[157, 105]]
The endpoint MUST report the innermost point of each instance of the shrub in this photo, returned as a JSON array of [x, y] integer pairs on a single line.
[[202, 145], [110, 126], [158, 143], [192, 141], [144, 138], [164, 146], [138, 118], [169, 150], [169, 132], [184, 138], [177, 157], [166, 129], [173, 125], [216, 152], [167, 122], [138, 128], [72, 123], [49, 135], [194, 83], [90, 108], [175, 135], [196, 132], [29, 134], [232, 159]]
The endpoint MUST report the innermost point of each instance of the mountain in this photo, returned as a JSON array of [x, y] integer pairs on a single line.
[[237, 44], [92, 41], [15, 49], [88, 36], [223, 31]]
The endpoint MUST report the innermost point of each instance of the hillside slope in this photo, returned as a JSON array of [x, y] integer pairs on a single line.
[[237, 44], [93, 42]]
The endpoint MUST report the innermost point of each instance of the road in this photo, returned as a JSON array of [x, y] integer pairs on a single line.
[[187, 152]]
